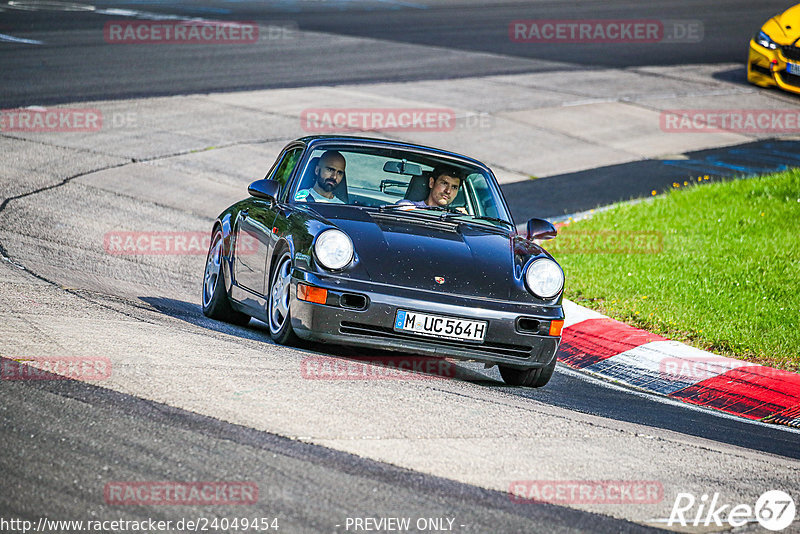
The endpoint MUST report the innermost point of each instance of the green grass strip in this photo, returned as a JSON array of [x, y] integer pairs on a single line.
[[715, 265]]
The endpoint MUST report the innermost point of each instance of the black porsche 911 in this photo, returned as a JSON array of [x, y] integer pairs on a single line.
[[387, 245]]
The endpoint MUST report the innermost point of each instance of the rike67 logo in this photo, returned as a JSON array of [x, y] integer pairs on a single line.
[[774, 510]]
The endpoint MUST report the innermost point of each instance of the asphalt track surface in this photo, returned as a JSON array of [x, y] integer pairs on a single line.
[[307, 488], [74, 64], [565, 194], [59, 437]]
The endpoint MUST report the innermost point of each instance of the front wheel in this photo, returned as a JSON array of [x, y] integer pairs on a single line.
[[534, 378], [280, 322], [215, 299]]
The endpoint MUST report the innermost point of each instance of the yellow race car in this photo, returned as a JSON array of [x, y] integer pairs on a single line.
[[774, 58]]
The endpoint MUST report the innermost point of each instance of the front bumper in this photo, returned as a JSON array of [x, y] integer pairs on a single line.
[[508, 341], [767, 68]]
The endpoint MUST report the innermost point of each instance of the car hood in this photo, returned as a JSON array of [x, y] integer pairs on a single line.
[[443, 256], [785, 28]]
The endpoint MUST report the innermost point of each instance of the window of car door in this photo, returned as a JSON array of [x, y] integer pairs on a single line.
[[283, 171]]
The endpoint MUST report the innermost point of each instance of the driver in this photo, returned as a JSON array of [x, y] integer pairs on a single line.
[[329, 173], [444, 183]]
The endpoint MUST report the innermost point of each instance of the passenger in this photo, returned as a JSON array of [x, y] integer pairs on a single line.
[[329, 173], [444, 183]]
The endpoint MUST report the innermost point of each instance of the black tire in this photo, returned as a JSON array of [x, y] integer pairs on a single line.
[[214, 298], [278, 313], [534, 378]]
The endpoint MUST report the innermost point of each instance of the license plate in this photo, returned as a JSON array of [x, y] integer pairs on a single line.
[[793, 68], [439, 326]]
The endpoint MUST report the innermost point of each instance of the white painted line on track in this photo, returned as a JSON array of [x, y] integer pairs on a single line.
[[11, 39], [666, 400], [46, 5]]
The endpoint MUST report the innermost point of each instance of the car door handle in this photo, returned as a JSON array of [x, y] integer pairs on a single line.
[[243, 214]]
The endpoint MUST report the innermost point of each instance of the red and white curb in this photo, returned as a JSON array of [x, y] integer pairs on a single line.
[[594, 343]]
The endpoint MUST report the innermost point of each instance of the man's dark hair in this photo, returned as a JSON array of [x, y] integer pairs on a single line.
[[447, 170]]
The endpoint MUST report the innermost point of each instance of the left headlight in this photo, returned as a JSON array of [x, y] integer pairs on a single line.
[[333, 249], [765, 40], [544, 278]]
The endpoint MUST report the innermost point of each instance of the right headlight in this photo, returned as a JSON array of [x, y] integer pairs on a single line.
[[544, 278], [765, 40], [333, 249]]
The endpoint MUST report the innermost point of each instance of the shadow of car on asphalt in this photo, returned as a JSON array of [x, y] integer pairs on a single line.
[[567, 390], [338, 362]]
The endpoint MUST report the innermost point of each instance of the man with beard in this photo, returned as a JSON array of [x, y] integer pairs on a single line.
[[329, 173]]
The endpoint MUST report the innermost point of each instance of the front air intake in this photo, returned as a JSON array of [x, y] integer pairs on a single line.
[[528, 325], [353, 302]]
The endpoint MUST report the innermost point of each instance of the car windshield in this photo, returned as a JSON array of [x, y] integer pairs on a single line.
[[386, 178]]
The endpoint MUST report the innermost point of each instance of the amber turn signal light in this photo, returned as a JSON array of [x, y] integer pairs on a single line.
[[555, 327], [316, 295]]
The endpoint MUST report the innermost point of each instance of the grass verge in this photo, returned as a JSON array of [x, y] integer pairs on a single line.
[[714, 265]]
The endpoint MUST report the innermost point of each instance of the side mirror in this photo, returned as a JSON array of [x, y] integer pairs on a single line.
[[541, 229], [267, 189]]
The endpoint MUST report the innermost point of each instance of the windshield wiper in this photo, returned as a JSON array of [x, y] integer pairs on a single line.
[[411, 207], [447, 213], [495, 219], [396, 206]]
